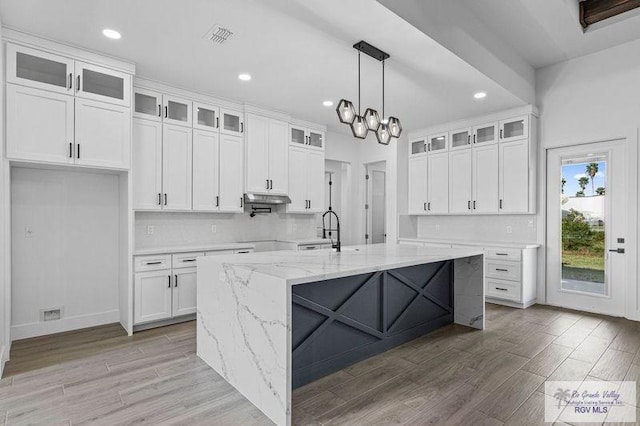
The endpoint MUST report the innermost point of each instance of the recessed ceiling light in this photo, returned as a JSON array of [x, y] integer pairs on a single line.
[[112, 34], [480, 95], [327, 103], [244, 77]]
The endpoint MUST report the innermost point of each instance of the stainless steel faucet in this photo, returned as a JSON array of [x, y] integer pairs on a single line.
[[337, 229]]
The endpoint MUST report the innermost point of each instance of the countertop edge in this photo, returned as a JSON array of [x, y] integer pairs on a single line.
[[488, 244], [214, 247]]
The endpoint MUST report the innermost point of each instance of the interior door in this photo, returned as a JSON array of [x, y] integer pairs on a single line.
[[514, 176], [147, 165], [278, 157], [231, 173], [418, 179], [438, 183], [257, 153], [375, 206], [103, 134], [184, 291], [315, 180], [206, 148], [587, 224], [176, 167], [485, 179], [460, 181], [298, 184]]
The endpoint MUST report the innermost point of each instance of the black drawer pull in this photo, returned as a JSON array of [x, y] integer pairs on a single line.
[[501, 289], [175, 283], [188, 260], [502, 270], [502, 254], [153, 263]]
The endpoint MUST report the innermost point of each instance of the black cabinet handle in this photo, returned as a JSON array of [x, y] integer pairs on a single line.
[[165, 198], [501, 204], [309, 203], [78, 86], [159, 110], [474, 138], [469, 205], [153, 263], [78, 151], [241, 127], [502, 270], [188, 260], [270, 183], [166, 112], [424, 206], [241, 202], [267, 184], [217, 122], [70, 80], [620, 250], [502, 254], [169, 286], [429, 206], [500, 133], [501, 289], [175, 283], [217, 201], [159, 199], [474, 204], [70, 150]]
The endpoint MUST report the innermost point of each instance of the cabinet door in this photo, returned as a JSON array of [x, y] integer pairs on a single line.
[[231, 173], [460, 181], [298, 180], [39, 125], [103, 134], [152, 296], [41, 70], [418, 147], [147, 104], [184, 291], [176, 110], [438, 183], [438, 143], [298, 136], [147, 165], [514, 129], [315, 180], [460, 139], [315, 139], [206, 117], [257, 154], [418, 168], [102, 84], [205, 171], [485, 179], [514, 177], [485, 134], [176, 167], [232, 122], [278, 166]]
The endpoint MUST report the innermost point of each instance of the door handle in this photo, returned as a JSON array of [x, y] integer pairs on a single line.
[[169, 276], [270, 183], [267, 183], [217, 201], [500, 133], [78, 150], [70, 80], [474, 204], [424, 207], [474, 138], [165, 198], [241, 202], [468, 205], [500, 204], [70, 150], [159, 199], [78, 86], [241, 127], [620, 250], [159, 110], [175, 282], [166, 112], [217, 122], [429, 206]]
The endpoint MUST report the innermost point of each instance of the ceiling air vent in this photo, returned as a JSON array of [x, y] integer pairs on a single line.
[[218, 34]]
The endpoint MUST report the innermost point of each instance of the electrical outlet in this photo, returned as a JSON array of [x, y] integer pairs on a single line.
[[437, 227], [150, 229], [214, 229], [509, 230], [28, 232]]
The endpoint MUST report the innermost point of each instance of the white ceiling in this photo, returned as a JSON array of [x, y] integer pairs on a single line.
[[298, 52], [547, 32]]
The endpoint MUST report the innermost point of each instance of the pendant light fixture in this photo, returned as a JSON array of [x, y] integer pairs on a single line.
[[371, 120]]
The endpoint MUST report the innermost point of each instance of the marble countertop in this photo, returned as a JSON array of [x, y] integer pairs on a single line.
[[187, 249], [307, 241], [487, 244], [308, 266]]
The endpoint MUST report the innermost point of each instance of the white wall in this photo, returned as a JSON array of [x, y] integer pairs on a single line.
[[590, 99], [71, 259]]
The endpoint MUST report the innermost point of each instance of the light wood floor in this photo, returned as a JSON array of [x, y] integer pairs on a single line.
[[452, 376]]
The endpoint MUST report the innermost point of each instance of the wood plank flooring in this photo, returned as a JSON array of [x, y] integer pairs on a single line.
[[454, 376]]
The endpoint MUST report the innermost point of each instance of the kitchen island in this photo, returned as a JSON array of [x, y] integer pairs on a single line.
[[270, 322]]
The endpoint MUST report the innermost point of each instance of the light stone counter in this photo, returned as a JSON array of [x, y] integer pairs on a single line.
[[244, 308]]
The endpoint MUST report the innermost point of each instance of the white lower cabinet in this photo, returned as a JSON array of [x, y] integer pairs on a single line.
[[152, 296], [184, 292], [306, 184], [510, 276]]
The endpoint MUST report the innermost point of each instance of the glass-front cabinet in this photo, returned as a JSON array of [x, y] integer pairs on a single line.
[[304, 136], [176, 110], [418, 146], [38, 69], [231, 122], [514, 129], [485, 134], [206, 117], [460, 139], [102, 84], [316, 139], [147, 104], [437, 143]]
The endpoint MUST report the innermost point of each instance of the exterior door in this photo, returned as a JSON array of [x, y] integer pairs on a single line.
[[460, 181], [438, 183], [152, 296], [587, 191], [231, 173], [257, 153], [418, 178], [278, 157], [184, 291], [147, 165], [485, 179], [176, 167], [206, 148]]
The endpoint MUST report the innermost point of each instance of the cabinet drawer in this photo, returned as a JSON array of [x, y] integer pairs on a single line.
[[185, 260], [243, 251], [152, 263], [503, 270], [306, 247], [502, 254], [503, 289], [218, 252]]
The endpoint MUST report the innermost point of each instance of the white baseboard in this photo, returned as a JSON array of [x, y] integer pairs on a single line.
[[24, 331], [510, 304]]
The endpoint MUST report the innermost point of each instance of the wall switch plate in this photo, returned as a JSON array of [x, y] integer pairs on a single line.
[[28, 232], [509, 230], [150, 229], [214, 229]]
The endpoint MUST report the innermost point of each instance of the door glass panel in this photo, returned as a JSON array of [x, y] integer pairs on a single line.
[[146, 104], [42, 70], [485, 134], [297, 136], [102, 84], [513, 129], [232, 122], [460, 139], [177, 111], [583, 205], [417, 147], [377, 207], [315, 139], [438, 143], [206, 117]]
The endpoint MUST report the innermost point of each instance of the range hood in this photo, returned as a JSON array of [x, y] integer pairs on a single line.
[[252, 198]]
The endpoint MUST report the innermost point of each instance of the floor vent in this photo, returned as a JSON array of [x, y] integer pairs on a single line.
[[218, 34], [52, 314]]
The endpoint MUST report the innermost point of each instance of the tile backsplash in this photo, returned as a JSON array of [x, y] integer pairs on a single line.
[[169, 229], [498, 228]]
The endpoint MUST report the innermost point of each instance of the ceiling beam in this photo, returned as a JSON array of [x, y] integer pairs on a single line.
[[593, 11]]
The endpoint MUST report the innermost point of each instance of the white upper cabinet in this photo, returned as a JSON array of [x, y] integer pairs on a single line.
[[418, 147], [102, 84], [176, 110], [278, 159], [39, 69], [147, 165], [52, 139], [485, 179], [231, 122], [231, 173], [438, 143], [306, 184], [514, 177], [267, 155], [303, 136], [460, 195], [206, 117], [438, 184], [147, 104], [418, 177], [206, 168], [460, 139], [514, 129], [102, 134], [176, 167], [485, 134]]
